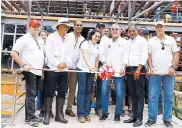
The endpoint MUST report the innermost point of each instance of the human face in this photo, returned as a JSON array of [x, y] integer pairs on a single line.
[[96, 37], [78, 27], [159, 29], [132, 31], [34, 30], [101, 29], [43, 35], [63, 29], [106, 32], [115, 31]]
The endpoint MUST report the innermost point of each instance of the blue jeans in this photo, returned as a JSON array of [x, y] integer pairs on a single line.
[[120, 93], [85, 81], [98, 94], [161, 100], [154, 90]]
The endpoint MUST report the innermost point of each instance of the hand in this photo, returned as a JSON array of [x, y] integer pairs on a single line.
[[137, 75], [122, 72], [27, 68], [62, 66], [95, 77], [42, 77], [171, 71], [152, 72], [92, 68]]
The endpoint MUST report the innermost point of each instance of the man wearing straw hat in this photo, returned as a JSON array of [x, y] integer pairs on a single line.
[[163, 60], [31, 55], [58, 56]]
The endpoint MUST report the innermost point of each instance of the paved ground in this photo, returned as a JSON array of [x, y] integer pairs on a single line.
[[95, 123]]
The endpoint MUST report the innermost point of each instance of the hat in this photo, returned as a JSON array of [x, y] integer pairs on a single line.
[[100, 24], [159, 22], [145, 32], [62, 21], [33, 23]]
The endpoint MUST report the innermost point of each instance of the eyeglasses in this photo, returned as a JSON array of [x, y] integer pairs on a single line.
[[163, 46], [116, 29]]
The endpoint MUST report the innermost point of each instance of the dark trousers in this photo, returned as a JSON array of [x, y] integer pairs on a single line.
[[136, 91], [33, 83], [54, 80], [98, 92]]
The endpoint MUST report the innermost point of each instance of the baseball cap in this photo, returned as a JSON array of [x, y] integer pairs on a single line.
[[145, 32], [33, 23], [100, 24], [159, 22]]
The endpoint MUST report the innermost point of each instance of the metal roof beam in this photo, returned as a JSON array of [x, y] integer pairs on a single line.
[[45, 6], [52, 3], [121, 11], [38, 6], [100, 6], [8, 5], [115, 8], [14, 5], [60, 4], [91, 9], [138, 8], [76, 7], [107, 8], [68, 3], [23, 6]]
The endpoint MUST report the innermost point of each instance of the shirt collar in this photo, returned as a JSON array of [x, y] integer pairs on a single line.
[[134, 38], [156, 38]]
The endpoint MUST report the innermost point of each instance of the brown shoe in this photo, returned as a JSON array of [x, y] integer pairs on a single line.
[[99, 113], [81, 119], [70, 113], [87, 118]]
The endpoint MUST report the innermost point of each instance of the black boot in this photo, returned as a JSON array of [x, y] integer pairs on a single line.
[[59, 110], [47, 104]]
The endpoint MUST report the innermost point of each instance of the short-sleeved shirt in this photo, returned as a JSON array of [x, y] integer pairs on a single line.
[[92, 53], [31, 52], [162, 59]]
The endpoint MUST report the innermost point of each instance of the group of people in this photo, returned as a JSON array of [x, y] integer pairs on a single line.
[[61, 52]]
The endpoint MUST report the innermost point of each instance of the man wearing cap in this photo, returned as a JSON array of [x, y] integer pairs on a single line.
[[137, 59], [57, 52], [28, 53], [104, 39], [75, 38], [163, 60]]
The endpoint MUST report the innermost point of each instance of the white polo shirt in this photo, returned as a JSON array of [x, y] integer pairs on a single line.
[[74, 47], [102, 44], [162, 59], [92, 53], [30, 53], [57, 50], [137, 51], [113, 54]]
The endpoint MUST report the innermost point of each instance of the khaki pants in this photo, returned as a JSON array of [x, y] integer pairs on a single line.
[[72, 78]]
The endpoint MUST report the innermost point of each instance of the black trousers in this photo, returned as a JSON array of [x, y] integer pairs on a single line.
[[33, 83], [54, 80], [136, 91]]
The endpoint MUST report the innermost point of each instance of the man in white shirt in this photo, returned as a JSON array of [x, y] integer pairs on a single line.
[[58, 57], [104, 39], [137, 59], [30, 49], [75, 38], [163, 60], [113, 55]]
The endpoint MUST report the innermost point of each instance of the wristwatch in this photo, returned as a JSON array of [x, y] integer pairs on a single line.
[[175, 67]]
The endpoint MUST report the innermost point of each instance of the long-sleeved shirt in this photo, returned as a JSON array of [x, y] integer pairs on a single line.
[[114, 53], [102, 44], [57, 50], [137, 52], [75, 50]]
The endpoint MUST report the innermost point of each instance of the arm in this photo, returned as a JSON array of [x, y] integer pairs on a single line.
[[175, 59], [102, 50], [85, 56], [97, 63], [150, 62], [16, 58]]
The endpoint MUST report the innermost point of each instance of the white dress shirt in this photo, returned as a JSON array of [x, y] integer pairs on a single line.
[[162, 59], [137, 52], [113, 54], [57, 50], [31, 52], [74, 47], [92, 53]]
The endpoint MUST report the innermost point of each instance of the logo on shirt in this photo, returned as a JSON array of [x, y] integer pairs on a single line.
[[109, 46]]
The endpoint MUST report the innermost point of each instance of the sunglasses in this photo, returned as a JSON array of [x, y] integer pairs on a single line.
[[163, 46]]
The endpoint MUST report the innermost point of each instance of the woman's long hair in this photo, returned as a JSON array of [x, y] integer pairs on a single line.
[[90, 36]]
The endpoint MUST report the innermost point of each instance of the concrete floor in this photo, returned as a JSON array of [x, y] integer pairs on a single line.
[[95, 123]]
